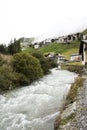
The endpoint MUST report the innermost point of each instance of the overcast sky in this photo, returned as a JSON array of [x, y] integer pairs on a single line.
[[41, 18]]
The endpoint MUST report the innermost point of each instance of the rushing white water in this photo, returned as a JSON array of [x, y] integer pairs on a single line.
[[35, 107]]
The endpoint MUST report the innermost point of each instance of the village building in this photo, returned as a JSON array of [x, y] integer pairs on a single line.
[[85, 37], [66, 39], [51, 56], [60, 40], [83, 51], [26, 42], [47, 41], [76, 57], [61, 59], [36, 46]]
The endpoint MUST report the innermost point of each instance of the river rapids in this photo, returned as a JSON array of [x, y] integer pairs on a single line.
[[36, 106]]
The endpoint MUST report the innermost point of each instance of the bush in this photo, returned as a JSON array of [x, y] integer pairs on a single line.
[[44, 62], [10, 79], [27, 65], [5, 78], [52, 63], [1, 61], [79, 69], [20, 80]]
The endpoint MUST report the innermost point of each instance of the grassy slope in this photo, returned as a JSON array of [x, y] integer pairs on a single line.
[[30, 50], [65, 49]]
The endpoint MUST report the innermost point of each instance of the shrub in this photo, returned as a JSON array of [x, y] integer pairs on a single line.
[[20, 80], [27, 65], [7, 78], [1, 61], [52, 63], [10, 79], [76, 68], [44, 62], [5, 59]]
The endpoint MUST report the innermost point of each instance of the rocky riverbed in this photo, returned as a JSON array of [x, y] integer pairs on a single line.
[[74, 117]]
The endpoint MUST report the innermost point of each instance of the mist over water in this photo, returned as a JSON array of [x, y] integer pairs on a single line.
[[35, 107]]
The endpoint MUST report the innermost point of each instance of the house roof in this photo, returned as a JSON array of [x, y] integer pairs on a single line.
[[76, 54], [84, 41]]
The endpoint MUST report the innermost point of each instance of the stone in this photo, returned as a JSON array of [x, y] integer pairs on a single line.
[[68, 111]]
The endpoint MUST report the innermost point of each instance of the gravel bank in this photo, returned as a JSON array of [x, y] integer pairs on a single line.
[[78, 109]]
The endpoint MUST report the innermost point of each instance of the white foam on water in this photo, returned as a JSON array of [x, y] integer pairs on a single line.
[[35, 107]]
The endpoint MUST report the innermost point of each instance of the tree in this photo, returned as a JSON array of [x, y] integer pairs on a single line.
[[28, 65], [14, 47], [3, 49]]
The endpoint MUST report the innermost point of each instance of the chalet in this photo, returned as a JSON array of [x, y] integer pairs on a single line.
[[55, 40], [83, 51], [47, 41], [65, 39], [51, 56], [76, 57], [26, 42], [36, 46], [85, 36], [60, 40], [61, 59]]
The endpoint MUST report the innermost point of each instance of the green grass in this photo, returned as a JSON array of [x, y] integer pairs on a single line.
[[74, 67], [30, 50], [74, 89], [67, 119], [65, 49], [62, 48], [70, 51]]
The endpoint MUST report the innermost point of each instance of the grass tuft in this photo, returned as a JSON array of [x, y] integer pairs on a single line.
[[74, 89], [67, 119]]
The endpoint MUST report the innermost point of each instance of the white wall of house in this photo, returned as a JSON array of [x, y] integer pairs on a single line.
[[36, 46], [47, 41], [24, 44], [60, 40], [84, 37], [70, 39], [75, 57]]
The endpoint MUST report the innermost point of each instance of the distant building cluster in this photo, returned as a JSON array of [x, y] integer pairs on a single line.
[[26, 42], [29, 42]]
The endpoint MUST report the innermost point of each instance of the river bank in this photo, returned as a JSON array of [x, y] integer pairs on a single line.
[[73, 115]]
